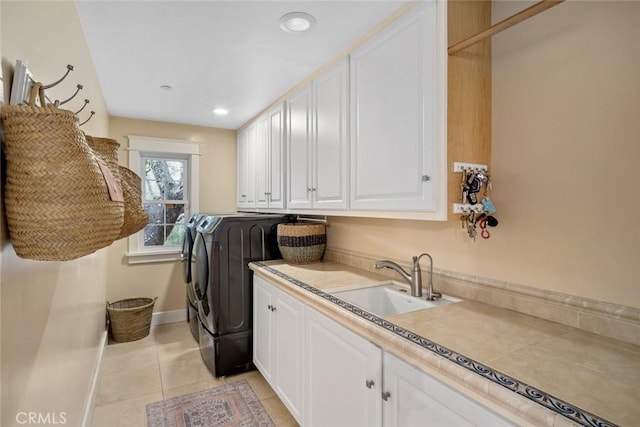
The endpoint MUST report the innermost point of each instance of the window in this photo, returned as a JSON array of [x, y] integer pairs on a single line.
[[165, 199], [169, 172]]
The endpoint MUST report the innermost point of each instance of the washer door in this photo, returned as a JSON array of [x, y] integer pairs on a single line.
[[185, 256], [200, 274]]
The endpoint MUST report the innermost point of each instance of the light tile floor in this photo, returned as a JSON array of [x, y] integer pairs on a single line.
[[165, 364]]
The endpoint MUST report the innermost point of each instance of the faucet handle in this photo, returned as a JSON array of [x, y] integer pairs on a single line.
[[415, 264]]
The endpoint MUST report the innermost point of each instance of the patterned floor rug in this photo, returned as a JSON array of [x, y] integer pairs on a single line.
[[229, 405]]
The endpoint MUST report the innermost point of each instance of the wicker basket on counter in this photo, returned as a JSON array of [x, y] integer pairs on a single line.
[[130, 319], [302, 243]]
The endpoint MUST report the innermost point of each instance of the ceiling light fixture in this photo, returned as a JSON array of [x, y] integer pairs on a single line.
[[220, 111], [297, 22]]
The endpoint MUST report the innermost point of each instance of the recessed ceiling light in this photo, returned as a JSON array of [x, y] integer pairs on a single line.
[[166, 87], [220, 111], [297, 22]]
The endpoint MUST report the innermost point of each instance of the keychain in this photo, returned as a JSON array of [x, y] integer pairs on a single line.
[[488, 206]]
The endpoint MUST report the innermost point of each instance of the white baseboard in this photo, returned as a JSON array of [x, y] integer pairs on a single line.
[[168, 317], [89, 403]]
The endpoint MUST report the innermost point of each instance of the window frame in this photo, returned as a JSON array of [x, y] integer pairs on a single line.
[[143, 147]]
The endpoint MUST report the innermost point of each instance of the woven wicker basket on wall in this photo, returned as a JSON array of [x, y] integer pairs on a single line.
[[302, 243], [58, 205], [135, 217], [130, 319]]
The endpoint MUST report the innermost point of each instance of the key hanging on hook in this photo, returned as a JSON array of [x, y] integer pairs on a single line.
[[50, 85], [59, 103], [89, 118]]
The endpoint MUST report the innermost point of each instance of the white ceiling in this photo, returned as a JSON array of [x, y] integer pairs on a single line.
[[229, 54]]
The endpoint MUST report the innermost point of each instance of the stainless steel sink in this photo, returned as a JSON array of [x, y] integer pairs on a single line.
[[388, 298]]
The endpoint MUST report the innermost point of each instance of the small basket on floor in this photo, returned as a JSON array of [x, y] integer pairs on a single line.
[[130, 319]]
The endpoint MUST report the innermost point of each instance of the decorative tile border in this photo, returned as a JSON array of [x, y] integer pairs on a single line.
[[559, 406]]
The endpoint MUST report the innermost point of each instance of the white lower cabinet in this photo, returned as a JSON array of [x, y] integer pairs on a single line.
[[329, 376], [278, 328], [343, 376], [414, 398]]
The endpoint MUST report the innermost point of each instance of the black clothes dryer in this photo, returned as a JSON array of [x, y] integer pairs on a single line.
[[224, 285]]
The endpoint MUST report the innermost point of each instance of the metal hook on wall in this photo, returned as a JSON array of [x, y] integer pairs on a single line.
[[78, 89], [50, 85], [89, 118], [86, 101]]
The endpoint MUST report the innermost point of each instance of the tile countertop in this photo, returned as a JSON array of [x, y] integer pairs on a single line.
[[529, 369]]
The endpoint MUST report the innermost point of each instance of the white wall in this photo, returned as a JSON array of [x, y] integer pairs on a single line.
[[566, 138], [217, 194], [53, 313]]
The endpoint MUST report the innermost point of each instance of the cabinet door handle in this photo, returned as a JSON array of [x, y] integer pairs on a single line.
[[270, 307], [369, 383], [386, 395], [273, 308]]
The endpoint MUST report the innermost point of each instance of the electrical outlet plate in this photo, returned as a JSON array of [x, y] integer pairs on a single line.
[[21, 85], [462, 167]]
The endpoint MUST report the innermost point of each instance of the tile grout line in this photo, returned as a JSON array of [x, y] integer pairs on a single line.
[[155, 336]]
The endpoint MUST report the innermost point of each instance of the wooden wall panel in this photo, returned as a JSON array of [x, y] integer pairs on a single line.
[[469, 92]]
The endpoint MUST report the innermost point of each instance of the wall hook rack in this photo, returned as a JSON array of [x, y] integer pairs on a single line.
[[78, 89], [57, 82], [86, 101], [89, 118]]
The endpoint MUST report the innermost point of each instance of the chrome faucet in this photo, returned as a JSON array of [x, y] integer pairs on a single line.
[[414, 279]]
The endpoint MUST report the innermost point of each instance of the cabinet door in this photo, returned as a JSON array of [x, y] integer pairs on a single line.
[[343, 376], [394, 115], [288, 350], [331, 139], [262, 328], [251, 166], [299, 149], [276, 156], [242, 168], [262, 162], [416, 398]]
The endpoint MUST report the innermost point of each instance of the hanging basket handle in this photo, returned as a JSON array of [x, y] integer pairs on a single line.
[[37, 92]]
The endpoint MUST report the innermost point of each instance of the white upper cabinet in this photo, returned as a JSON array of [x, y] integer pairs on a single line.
[[367, 137], [398, 115], [276, 155], [331, 137], [270, 159], [241, 145], [299, 149], [246, 176], [318, 142], [262, 162]]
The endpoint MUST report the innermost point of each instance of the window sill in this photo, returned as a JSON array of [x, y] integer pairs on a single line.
[[152, 257]]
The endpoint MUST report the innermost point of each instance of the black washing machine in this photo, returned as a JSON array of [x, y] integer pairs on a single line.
[[188, 264], [223, 285]]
